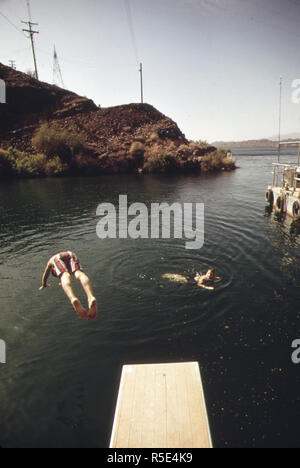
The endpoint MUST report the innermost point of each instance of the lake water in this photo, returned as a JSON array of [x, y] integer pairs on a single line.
[[60, 383]]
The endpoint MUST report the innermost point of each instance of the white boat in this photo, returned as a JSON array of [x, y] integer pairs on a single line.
[[284, 193]]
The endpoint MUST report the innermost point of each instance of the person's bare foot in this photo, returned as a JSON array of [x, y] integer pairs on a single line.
[[79, 309], [93, 309]]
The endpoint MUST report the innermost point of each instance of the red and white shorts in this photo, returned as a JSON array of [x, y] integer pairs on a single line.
[[65, 262]]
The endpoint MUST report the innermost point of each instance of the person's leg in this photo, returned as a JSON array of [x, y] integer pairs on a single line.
[[86, 284], [67, 287]]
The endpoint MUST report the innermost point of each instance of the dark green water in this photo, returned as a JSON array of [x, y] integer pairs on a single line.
[[60, 383]]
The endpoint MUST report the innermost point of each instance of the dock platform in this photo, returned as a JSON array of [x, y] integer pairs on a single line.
[[161, 406]]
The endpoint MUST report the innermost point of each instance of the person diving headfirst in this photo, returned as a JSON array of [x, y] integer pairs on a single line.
[[64, 265]]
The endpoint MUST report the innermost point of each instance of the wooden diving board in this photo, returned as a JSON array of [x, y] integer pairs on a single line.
[[161, 406]]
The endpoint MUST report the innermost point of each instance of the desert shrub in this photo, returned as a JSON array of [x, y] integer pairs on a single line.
[[193, 146], [228, 164], [190, 165], [119, 163], [52, 141], [170, 147], [30, 165], [85, 164], [137, 148], [6, 164], [211, 162], [184, 152], [165, 163], [116, 163], [153, 138], [55, 167], [136, 155], [20, 164], [202, 143], [216, 161]]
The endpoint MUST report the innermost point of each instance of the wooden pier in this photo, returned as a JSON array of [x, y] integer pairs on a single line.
[[161, 406]]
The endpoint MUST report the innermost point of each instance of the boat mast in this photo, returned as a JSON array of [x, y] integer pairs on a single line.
[[280, 105]]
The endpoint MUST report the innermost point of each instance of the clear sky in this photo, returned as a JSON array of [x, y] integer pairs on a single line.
[[211, 65]]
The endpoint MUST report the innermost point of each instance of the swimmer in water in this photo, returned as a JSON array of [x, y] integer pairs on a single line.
[[201, 280], [64, 265], [210, 276]]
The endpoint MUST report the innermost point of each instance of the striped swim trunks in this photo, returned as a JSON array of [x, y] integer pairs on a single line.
[[65, 262]]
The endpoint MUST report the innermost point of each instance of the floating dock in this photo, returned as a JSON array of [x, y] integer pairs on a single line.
[[161, 406]]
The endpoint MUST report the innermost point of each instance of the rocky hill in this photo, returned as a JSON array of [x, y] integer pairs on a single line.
[[31, 103], [110, 135]]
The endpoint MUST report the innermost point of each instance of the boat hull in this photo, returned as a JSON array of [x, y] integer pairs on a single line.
[[286, 201]]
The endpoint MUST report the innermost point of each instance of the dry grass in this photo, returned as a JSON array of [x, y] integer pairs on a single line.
[[163, 163]]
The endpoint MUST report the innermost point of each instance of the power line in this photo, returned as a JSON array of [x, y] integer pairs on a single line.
[[29, 10], [134, 43], [131, 29], [12, 9], [88, 65], [12, 24]]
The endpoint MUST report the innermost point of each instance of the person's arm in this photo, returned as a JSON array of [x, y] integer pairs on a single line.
[[200, 282], [46, 276], [202, 285]]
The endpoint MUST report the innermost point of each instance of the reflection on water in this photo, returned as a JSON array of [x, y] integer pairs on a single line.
[[60, 384]]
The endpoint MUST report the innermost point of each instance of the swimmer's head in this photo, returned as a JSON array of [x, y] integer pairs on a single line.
[[211, 273]]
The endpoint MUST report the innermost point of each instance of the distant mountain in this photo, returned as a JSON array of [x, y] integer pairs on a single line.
[[244, 144], [271, 143], [287, 136]]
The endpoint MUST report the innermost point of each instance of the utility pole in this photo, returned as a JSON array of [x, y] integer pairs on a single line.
[[12, 64], [31, 33], [142, 90], [280, 105]]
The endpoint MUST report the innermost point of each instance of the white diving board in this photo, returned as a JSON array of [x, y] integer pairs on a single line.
[[161, 406]]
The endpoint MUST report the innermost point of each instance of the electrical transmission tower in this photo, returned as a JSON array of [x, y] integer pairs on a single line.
[[31, 33], [57, 76], [12, 64]]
